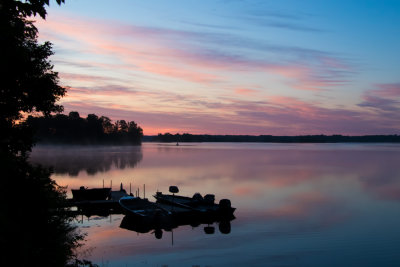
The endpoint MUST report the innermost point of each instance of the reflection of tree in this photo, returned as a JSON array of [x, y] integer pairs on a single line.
[[72, 160]]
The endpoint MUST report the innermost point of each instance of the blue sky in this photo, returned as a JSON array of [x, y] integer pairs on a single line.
[[232, 67]]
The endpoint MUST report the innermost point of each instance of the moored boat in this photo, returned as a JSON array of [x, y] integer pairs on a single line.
[[84, 194], [196, 203], [141, 208]]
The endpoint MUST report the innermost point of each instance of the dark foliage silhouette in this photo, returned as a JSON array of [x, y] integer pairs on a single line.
[[73, 129], [28, 82], [167, 137], [34, 230]]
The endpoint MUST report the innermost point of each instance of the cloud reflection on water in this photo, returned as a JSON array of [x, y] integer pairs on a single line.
[[296, 204]]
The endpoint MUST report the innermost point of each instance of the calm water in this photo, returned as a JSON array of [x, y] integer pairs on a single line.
[[297, 204]]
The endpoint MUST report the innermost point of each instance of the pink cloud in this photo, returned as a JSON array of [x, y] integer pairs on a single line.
[[83, 77], [280, 116], [384, 101], [151, 54], [388, 90], [245, 191], [245, 91], [181, 73], [158, 51]]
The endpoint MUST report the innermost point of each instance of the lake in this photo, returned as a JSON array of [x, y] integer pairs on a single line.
[[296, 204]]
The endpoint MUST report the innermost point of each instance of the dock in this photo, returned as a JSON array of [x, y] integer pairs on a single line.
[[98, 207]]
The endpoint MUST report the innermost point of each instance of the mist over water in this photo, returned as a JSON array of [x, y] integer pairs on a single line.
[[297, 204]]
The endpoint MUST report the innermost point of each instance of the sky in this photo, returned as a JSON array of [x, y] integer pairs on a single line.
[[231, 67]]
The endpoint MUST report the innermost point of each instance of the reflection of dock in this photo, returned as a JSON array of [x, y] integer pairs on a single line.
[[168, 213], [98, 207], [172, 211]]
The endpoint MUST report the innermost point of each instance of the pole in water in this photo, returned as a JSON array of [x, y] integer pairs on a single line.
[[111, 184], [144, 191], [103, 183], [130, 188]]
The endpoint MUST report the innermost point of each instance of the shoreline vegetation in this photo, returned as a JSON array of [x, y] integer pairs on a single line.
[[188, 138], [93, 130], [35, 228], [72, 129]]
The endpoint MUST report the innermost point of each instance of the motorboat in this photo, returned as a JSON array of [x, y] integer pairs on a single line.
[[86, 194], [196, 203]]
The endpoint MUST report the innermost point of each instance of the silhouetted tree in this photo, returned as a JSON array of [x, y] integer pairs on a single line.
[[107, 125], [73, 129], [28, 82], [34, 230], [122, 126], [74, 115], [167, 137]]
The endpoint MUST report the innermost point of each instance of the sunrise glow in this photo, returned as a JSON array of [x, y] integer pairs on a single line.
[[231, 67]]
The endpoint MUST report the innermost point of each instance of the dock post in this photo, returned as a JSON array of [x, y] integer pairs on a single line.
[[144, 191], [130, 188]]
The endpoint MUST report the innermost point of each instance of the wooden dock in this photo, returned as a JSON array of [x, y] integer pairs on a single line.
[[98, 207]]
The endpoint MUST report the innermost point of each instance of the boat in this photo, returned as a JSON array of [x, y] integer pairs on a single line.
[[141, 208], [85, 194], [196, 203]]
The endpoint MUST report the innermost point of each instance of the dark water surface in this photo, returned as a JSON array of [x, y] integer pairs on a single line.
[[297, 204]]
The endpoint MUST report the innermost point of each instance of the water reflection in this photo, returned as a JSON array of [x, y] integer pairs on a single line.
[[298, 205], [92, 159], [169, 223]]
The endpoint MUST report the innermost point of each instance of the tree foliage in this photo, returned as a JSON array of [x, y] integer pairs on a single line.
[[73, 129], [35, 230], [28, 82], [186, 137]]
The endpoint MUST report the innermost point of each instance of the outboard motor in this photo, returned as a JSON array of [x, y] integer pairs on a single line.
[[173, 189], [225, 204], [198, 197], [209, 198]]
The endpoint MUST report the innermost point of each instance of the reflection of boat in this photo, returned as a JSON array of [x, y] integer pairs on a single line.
[[196, 203], [141, 208], [171, 222], [147, 224], [83, 193]]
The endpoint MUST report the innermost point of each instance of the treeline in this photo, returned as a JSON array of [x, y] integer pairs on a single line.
[[73, 129], [167, 137]]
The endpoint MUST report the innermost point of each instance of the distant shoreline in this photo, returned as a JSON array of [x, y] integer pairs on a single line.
[[191, 138]]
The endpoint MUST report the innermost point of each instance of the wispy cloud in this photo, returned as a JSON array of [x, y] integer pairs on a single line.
[[190, 55], [385, 100], [209, 82]]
